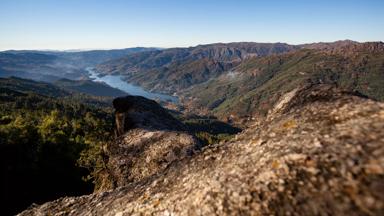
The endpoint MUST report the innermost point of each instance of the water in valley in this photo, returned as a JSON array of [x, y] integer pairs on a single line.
[[116, 81]]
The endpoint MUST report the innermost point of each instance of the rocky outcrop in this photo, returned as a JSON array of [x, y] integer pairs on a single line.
[[140, 112], [149, 139], [322, 153]]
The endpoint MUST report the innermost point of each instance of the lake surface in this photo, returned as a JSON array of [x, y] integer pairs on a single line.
[[116, 81]]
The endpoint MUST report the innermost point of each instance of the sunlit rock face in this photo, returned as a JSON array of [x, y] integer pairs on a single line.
[[319, 152]]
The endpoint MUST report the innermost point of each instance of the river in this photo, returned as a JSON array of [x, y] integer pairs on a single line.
[[116, 81]]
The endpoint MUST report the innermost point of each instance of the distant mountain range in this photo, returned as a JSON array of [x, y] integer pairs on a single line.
[[251, 88], [171, 70], [53, 65], [237, 79], [244, 79]]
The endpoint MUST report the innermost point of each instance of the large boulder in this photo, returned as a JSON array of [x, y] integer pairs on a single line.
[[148, 140]]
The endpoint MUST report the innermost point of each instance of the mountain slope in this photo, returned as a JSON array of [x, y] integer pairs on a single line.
[[320, 152], [252, 87], [31, 87], [173, 69], [89, 87]]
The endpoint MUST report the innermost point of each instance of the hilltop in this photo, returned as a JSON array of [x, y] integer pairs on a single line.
[[319, 151]]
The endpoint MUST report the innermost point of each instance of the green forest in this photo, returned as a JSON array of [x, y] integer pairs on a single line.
[[50, 142]]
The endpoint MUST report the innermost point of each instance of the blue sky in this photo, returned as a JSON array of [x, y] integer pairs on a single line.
[[87, 24]]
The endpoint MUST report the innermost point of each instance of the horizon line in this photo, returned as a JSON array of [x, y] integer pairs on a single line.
[[170, 47]]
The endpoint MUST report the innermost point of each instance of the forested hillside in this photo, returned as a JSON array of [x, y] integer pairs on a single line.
[[50, 142], [89, 87], [251, 88]]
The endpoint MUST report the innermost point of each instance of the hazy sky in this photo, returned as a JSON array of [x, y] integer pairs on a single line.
[[85, 24]]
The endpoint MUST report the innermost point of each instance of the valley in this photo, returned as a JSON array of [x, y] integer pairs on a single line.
[[202, 115], [116, 81], [191, 108]]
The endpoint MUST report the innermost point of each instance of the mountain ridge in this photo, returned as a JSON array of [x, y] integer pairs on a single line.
[[176, 68], [257, 83], [172, 70], [89, 87]]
